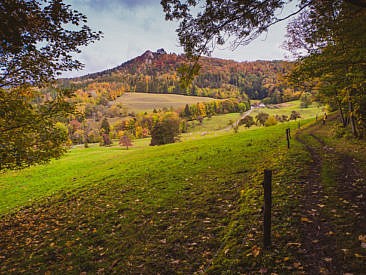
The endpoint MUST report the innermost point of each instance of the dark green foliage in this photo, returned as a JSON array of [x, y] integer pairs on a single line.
[[166, 130], [105, 127], [247, 121], [29, 133], [37, 40], [187, 112], [207, 109], [106, 140], [332, 56], [261, 118], [295, 115]]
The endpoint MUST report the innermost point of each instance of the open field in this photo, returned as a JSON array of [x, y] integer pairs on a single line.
[[84, 166], [219, 123], [22, 187], [149, 209], [188, 207], [146, 102], [287, 107]]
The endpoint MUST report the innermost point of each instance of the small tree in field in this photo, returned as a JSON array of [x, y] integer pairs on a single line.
[[295, 115], [261, 118], [271, 120], [125, 141], [247, 121]]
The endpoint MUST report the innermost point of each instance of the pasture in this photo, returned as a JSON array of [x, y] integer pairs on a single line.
[[146, 102], [148, 209]]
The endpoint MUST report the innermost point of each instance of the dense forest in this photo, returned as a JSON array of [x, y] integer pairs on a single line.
[[158, 72]]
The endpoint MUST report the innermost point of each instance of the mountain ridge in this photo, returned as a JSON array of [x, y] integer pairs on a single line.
[[157, 72]]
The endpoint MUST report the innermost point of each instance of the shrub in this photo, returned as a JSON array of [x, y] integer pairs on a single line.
[[270, 121]]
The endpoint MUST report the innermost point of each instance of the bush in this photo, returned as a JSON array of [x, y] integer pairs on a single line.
[[270, 121], [261, 118], [295, 115], [166, 130], [247, 121]]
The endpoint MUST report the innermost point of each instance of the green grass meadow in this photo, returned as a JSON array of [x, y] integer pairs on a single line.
[[177, 208], [129, 208], [286, 108], [96, 165]]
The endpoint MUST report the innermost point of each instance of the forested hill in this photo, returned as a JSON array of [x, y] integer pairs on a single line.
[[156, 72]]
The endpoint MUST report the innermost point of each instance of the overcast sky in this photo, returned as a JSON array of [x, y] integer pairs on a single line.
[[131, 27]]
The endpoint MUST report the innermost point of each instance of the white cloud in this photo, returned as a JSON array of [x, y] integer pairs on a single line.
[[131, 27]]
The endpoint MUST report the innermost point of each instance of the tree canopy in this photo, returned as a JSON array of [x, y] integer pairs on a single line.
[[329, 39], [207, 23], [30, 133], [327, 36], [37, 40]]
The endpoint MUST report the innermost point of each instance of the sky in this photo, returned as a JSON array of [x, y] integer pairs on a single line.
[[130, 27]]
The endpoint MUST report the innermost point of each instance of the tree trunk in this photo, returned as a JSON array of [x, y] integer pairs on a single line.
[[344, 121], [352, 118]]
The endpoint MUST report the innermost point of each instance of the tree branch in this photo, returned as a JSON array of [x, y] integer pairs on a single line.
[[359, 3]]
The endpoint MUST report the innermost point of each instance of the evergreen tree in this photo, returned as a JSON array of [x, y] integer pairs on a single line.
[[105, 126], [187, 111]]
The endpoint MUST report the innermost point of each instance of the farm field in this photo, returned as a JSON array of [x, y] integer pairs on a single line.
[[146, 102]]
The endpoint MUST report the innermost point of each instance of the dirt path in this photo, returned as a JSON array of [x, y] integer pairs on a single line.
[[315, 229], [333, 213], [247, 113]]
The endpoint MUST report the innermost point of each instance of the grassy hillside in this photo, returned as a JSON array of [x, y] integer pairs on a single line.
[[80, 164], [88, 166], [150, 209], [190, 207], [286, 108], [145, 102]]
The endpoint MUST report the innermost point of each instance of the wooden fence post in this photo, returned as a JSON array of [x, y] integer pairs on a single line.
[[288, 136], [267, 184]]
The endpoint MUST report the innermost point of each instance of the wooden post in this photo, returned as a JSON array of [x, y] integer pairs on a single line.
[[267, 184], [288, 136]]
